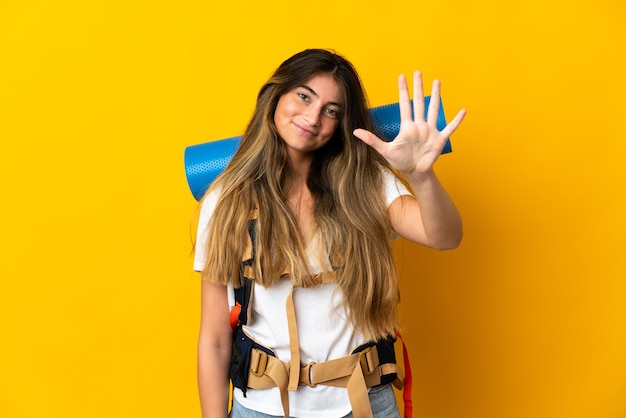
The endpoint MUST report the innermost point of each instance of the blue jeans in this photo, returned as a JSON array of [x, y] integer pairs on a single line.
[[382, 400]]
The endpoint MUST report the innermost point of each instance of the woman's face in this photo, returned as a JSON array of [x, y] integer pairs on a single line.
[[307, 116]]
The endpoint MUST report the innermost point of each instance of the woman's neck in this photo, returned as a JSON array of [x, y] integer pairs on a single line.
[[299, 198], [300, 203], [300, 164]]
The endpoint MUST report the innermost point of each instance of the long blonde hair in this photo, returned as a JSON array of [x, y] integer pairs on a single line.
[[350, 214]]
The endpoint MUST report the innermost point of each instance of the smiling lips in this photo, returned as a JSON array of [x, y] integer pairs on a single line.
[[304, 131]]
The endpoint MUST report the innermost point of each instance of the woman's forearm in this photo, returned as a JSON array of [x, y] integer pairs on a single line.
[[213, 379], [440, 217]]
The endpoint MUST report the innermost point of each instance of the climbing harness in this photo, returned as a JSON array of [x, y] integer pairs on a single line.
[[254, 366]]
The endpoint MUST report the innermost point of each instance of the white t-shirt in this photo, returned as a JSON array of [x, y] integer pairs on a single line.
[[323, 330]]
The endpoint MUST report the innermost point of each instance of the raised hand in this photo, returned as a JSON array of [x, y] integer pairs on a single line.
[[419, 143]]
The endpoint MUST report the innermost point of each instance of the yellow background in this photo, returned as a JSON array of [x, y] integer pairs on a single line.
[[98, 304]]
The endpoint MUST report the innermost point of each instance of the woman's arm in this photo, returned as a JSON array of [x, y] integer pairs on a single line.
[[214, 351], [431, 218]]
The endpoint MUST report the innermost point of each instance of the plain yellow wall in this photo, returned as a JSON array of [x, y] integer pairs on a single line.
[[98, 303]]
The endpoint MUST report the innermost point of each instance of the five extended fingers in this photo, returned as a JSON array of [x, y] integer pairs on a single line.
[[428, 134], [432, 115], [415, 113]]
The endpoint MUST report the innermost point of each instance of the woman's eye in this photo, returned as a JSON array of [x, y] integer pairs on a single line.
[[303, 96], [333, 113]]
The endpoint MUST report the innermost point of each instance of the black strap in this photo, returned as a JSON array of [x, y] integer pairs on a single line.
[[242, 294]]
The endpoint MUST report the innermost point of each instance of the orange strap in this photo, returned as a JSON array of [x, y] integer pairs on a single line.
[[234, 315]]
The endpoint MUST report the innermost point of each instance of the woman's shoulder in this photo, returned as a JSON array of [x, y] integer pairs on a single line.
[[393, 186], [208, 204], [384, 170]]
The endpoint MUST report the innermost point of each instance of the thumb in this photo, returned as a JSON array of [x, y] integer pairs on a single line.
[[369, 138]]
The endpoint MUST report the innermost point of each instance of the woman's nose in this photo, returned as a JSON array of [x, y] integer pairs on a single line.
[[313, 115]]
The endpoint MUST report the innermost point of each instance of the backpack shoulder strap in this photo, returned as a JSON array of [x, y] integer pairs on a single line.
[[239, 314]]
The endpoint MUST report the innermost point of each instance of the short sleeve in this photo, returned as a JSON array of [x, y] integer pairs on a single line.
[[206, 212], [393, 187]]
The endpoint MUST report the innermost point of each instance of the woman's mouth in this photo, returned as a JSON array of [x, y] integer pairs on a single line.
[[304, 131]]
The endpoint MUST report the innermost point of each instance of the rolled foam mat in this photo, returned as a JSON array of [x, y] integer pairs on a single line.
[[204, 162]]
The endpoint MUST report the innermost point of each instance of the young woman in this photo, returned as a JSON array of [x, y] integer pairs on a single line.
[[305, 214]]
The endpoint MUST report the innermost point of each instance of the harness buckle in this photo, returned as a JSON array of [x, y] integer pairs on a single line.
[[258, 362], [369, 360], [306, 375]]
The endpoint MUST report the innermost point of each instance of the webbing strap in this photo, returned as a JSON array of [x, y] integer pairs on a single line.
[[357, 393], [336, 372], [357, 389], [355, 372], [264, 367], [276, 371], [267, 372], [294, 345]]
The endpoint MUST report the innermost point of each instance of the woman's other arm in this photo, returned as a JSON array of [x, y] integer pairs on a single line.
[[214, 351]]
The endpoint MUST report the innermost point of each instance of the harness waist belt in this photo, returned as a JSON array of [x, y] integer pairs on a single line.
[[335, 373], [356, 372]]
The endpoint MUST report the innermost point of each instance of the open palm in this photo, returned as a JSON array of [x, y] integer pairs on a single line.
[[419, 143]]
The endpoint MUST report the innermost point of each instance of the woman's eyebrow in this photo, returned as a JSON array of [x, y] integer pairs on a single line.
[[316, 95]]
